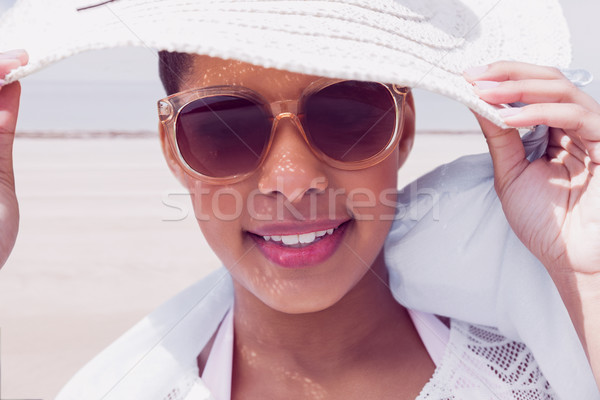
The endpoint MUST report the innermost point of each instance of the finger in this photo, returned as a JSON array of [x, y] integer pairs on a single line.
[[9, 109], [19, 54], [512, 71], [575, 165], [507, 151], [559, 139], [576, 120], [568, 172], [12, 59], [593, 151], [531, 91]]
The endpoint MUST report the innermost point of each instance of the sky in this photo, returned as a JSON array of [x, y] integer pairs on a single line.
[[117, 89]]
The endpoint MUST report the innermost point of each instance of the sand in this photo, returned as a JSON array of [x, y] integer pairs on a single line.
[[98, 249]]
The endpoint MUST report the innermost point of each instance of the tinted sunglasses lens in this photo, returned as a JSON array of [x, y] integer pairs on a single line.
[[222, 136], [351, 120]]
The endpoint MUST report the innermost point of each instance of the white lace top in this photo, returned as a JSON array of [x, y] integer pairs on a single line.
[[477, 363]]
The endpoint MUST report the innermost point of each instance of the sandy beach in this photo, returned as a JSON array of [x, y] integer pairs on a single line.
[[106, 235]]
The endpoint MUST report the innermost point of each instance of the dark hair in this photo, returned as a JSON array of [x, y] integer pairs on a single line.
[[172, 68]]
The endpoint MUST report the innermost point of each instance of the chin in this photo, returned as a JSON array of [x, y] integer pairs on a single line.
[[303, 300], [304, 306]]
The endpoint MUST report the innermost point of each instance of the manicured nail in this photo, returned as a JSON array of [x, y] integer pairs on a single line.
[[484, 85], [2, 82], [474, 72], [509, 112], [12, 54]]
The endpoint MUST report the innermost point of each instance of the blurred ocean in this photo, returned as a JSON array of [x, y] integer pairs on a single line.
[[89, 106]]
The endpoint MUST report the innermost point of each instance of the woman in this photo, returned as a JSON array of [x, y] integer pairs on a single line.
[[312, 308]]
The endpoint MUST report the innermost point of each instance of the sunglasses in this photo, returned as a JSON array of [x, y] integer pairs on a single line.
[[222, 134]]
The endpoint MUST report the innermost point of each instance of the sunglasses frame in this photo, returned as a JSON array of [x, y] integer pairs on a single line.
[[170, 107]]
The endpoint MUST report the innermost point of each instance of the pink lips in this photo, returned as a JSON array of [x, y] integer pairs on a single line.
[[300, 257]]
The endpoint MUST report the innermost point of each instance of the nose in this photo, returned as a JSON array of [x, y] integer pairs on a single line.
[[291, 168]]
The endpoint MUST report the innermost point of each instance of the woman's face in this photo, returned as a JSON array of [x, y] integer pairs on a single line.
[[293, 193]]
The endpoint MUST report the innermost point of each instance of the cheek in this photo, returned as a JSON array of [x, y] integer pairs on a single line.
[[220, 203], [218, 210], [371, 199], [371, 193]]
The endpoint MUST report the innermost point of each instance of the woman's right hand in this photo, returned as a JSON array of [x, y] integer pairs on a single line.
[[9, 109]]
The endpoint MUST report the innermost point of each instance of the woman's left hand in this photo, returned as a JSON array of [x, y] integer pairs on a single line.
[[553, 203]]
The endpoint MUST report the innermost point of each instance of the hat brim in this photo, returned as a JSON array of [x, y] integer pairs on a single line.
[[417, 43]]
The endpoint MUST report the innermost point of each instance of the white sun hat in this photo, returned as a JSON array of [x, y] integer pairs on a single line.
[[417, 43]]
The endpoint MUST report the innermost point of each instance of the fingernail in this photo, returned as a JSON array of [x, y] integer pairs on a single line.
[[2, 82], [474, 72], [484, 85], [12, 54], [509, 112]]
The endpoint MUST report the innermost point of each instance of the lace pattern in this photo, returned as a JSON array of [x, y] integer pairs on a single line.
[[480, 363]]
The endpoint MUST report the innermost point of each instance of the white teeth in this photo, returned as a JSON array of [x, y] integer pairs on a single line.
[[290, 239], [304, 238], [307, 237]]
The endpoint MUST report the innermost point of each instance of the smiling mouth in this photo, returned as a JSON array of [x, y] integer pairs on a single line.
[[301, 249], [300, 240]]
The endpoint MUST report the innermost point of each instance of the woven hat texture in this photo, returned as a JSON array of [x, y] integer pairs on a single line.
[[417, 43]]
